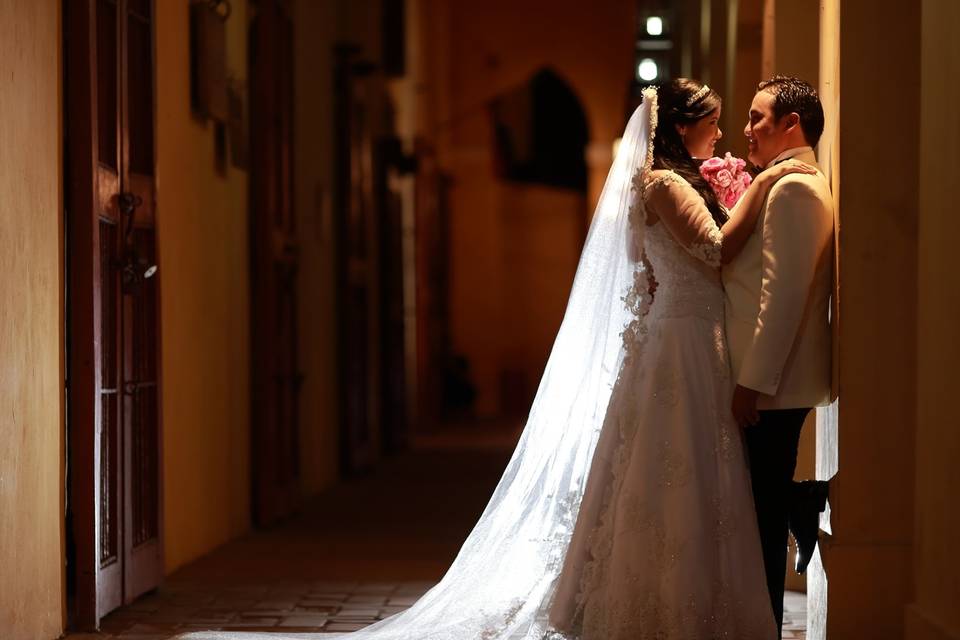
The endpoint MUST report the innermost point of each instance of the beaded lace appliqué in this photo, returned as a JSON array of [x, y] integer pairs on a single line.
[[638, 301], [708, 252], [639, 298]]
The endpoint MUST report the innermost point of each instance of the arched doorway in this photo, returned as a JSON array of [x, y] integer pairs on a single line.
[[540, 135]]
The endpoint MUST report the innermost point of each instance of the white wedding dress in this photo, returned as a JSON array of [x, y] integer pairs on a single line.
[[666, 543], [625, 511]]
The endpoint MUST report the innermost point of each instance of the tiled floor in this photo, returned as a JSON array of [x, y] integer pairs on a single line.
[[794, 616], [363, 551], [293, 607]]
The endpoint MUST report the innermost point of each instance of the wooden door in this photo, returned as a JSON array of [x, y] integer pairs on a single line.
[[369, 162], [356, 267], [392, 347], [432, 242], [114, 445], [274, 260]]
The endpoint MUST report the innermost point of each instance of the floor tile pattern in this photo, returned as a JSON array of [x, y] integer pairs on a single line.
[[363, 551]]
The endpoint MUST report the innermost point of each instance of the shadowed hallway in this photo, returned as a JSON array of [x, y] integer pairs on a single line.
[[234, 299], [364, 550], [358, 553]]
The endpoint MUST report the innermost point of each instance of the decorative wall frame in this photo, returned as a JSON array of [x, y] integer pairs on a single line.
[[238, 123], [208, 59]]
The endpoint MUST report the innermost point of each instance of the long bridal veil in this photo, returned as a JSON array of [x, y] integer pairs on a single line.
[[500, 585]]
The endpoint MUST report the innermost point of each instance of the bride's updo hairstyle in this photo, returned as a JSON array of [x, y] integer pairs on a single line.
[[677, 106]]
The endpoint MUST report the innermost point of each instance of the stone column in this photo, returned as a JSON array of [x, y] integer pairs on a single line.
[[868, 558], [933, 612], [791, 39], [747, 57]]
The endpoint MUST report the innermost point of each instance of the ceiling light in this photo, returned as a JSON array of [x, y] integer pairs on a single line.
[[655, 26], [647, 70]]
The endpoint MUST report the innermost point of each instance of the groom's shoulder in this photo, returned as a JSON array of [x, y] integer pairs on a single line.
[[797, 196], [800, 186]]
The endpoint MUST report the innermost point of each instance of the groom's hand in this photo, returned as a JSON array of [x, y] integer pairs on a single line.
[[745, 406]]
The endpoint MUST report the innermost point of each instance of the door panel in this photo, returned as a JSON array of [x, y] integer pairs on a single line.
[[141, 478], [110, 580], [274, 261], [355, 267], [105, 79], [108, 162], [113, 331], [142, 561], [139, 88]]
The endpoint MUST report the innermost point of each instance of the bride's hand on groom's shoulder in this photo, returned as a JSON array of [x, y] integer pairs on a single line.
[[777, 171]]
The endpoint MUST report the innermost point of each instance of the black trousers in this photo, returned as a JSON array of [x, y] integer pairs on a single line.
[[772, 449]]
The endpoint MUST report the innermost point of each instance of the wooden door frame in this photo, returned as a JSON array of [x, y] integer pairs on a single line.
[[82, 262], [83, 314]]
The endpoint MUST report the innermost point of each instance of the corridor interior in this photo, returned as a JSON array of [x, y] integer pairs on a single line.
[[379, 220], [364, 550]]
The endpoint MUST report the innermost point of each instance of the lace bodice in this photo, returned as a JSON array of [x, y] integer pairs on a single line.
[[684, 284], [682, 250]]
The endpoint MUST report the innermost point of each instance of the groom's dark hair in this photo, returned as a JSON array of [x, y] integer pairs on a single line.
[[793, 95]]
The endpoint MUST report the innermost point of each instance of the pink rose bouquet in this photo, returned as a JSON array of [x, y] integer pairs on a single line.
[[727, 176]]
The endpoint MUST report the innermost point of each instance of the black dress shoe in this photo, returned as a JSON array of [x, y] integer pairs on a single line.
[[808, 500]]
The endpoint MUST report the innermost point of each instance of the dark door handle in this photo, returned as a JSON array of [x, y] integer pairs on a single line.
[[128, 202], [133, 269]]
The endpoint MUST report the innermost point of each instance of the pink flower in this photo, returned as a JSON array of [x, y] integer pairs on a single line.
[[724, 178], [712, 165], [730, 198], [727, 177]]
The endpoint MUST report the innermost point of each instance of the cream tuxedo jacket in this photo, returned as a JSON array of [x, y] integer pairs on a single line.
[[778, 294]]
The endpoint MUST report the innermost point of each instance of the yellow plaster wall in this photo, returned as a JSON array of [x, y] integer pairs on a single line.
[[868, 560], [792, 49], [540, 251], [31, 434], [748, 51], [933, 614], [204, 268], [473, 53]]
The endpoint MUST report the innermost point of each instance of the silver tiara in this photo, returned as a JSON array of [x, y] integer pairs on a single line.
[[704, 90]]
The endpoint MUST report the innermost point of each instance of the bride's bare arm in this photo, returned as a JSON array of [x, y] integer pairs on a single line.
[[743, 217]]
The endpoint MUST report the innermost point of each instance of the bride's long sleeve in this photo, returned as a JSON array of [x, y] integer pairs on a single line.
[[684, 213]]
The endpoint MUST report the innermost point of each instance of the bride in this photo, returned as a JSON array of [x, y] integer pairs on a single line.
[[625, 511]]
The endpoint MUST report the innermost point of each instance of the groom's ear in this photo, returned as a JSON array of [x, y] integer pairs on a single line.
[[790, 121]]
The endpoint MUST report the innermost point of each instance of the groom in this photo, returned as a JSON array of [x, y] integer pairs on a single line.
[[777, 316]]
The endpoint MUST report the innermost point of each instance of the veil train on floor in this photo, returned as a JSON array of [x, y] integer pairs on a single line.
[[501, 582]]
